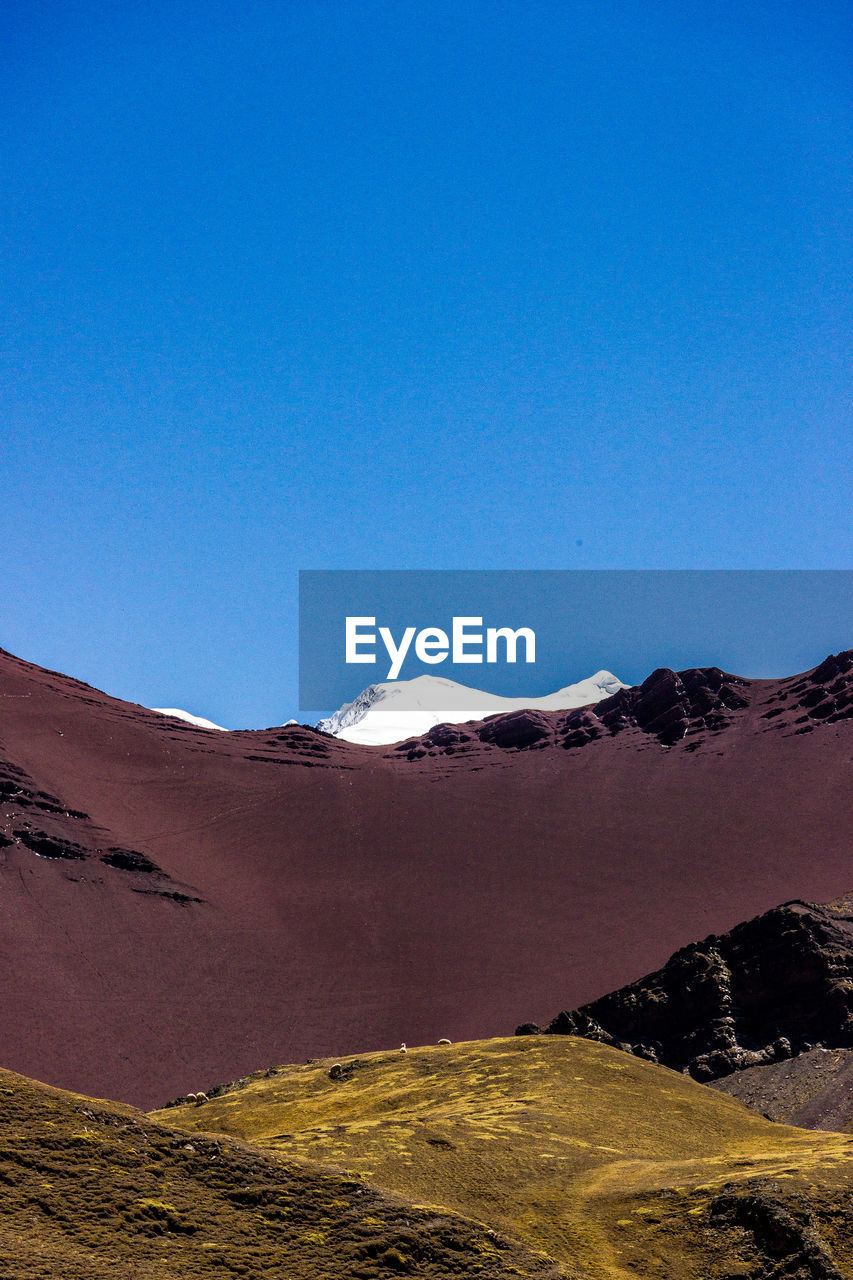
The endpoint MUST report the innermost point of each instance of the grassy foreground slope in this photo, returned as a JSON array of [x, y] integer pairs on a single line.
[[97, 1191], [614, 1166]]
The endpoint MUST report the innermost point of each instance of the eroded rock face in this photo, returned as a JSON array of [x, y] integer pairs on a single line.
[[18, 791], [767, 990], [518, 730], [47, 846], [668, 704], [34, 823], [824, 695], [783, 1229], [673, 708]]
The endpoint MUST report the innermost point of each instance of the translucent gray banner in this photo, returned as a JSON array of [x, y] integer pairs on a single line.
[[528, 634]]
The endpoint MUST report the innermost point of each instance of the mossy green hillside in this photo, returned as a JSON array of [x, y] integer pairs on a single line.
[[96, 1191], [610, 1164]]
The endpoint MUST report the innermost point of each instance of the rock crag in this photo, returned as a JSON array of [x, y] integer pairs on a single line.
[[768, 990]]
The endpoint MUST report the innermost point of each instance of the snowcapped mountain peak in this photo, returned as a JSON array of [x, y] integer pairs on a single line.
[[399, 709]]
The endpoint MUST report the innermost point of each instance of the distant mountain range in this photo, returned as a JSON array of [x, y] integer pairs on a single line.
[[400, 709]]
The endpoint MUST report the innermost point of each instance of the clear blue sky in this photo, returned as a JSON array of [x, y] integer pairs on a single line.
[[391, 285]]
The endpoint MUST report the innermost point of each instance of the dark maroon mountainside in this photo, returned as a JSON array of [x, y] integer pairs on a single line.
[[180, 906], [36, 822]]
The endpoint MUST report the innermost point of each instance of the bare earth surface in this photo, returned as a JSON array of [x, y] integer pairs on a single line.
[[814, 1090], [179, 905]]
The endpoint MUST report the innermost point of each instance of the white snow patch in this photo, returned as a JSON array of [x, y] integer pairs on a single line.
[[198, 721], [400, 709]]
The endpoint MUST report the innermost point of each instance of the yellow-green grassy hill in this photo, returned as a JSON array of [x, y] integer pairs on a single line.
[[611, 1165], [92, 1190]]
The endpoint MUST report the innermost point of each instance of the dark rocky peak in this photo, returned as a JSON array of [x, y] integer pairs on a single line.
[[669, 704], [827, 692], [515, 731], [518, 730], [836, 671], [449, 735], [669, 707], [773, 987]]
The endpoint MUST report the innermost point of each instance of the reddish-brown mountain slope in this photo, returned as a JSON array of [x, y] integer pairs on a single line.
[[178, 906]]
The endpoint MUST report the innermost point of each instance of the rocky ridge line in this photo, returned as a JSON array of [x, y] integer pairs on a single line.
[[669, 707]]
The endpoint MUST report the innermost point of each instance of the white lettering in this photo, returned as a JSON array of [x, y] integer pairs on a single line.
[[461, 638], [432, 645], [354, 639], [397, 655], [511, 638]]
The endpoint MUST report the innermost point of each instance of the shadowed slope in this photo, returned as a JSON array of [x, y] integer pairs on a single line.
[[179, 904], [95, 1191], [609, 1163]]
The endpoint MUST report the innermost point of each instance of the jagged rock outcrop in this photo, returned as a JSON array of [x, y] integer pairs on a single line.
[[783, 1229], [670, 704], [670, 707], [771, 988], [19, 791], [667, 706], [824, 695], [47, 846], [518, 730]]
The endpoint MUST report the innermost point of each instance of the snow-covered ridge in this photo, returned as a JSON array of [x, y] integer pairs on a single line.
[[385, 713], [198, 721]]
